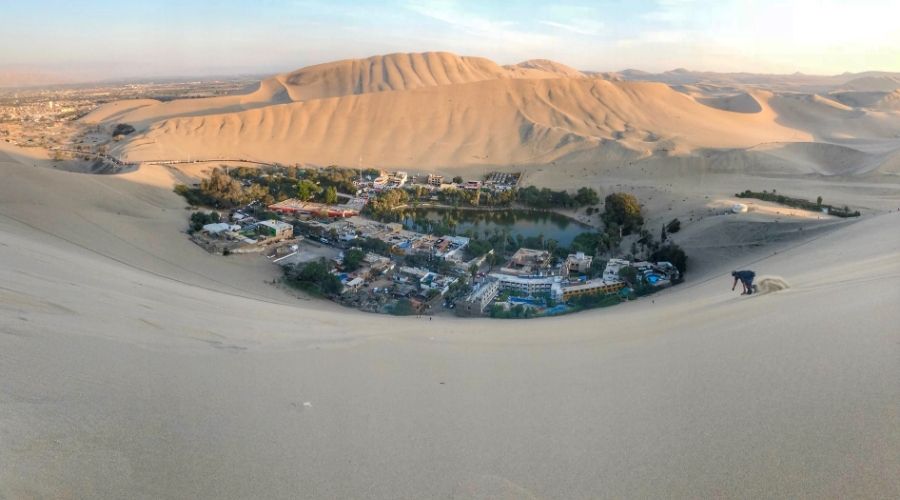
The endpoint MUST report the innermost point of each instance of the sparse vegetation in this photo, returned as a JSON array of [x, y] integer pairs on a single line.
[[799, 203], [122, 129], [544, 198]]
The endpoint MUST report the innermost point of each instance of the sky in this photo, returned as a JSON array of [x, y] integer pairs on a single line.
[[119, 39]]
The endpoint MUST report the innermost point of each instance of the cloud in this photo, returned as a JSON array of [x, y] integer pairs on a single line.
[[581, 27], [672, 11], [486, 29]]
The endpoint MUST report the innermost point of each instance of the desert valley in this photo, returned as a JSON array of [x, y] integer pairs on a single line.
[[136, 363]]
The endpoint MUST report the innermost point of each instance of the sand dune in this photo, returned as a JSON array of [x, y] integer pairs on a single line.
[[392, 72], [490, 122], [439, 110], [879, 83], [135, 365], [738, 103], [543, 68]]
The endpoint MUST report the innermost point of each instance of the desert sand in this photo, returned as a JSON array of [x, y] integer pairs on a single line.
[[437, 110], [135, 365]]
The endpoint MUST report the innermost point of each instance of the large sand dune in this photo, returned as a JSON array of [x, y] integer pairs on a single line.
[[489, 122], [135, 365], [439, 110]]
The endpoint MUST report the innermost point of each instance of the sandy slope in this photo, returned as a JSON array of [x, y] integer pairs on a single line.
[[132, 364], [490, 122], [439, 110]]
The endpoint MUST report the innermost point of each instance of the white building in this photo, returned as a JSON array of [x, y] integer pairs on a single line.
[[577, 263], [218, 227], [611, 273], [526, 285], [483, 294]]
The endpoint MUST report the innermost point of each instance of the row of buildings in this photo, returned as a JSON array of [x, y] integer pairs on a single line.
[[242, 234], [529, 274]]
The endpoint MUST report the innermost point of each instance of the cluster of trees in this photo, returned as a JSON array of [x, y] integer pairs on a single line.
[[222, 191], [353, 259], [433, 264], [242, 185], [372, 245], [623, 211], [799, 202], [382, 206], [228, 192], [314, 277], [200, 219], [533, 197]]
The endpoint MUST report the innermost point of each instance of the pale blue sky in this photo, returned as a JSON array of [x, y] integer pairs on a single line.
[[118, 38]]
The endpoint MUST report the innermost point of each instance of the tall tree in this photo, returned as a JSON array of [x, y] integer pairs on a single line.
[[307, 189], [331, 196]]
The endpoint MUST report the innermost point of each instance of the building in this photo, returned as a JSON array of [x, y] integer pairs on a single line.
[[293, 206], [353, 285], [275, 229], [451, 247], [217, 228], [611, 273], [526, 285], [590, 287], [435, 180], [424, 279], [481, 296], [577, 263], [528, 261]]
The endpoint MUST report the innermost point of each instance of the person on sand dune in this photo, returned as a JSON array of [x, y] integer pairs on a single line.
[[746, 279]]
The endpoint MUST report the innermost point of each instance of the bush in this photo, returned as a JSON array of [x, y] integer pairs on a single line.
[[122, 129], [673, 226]]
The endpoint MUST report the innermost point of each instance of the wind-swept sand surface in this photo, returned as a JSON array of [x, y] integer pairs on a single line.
[[135, 365], [437, 110]]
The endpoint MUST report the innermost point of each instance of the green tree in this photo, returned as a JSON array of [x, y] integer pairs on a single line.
[[330, 196], [315, 277], [671, 253], [624, 210], [222, 189], [307, 189], [353, 259], [586, 196], [457, 179]]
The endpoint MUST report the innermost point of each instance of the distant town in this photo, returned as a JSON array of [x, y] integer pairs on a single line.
[[46, 117], [355, 236]]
